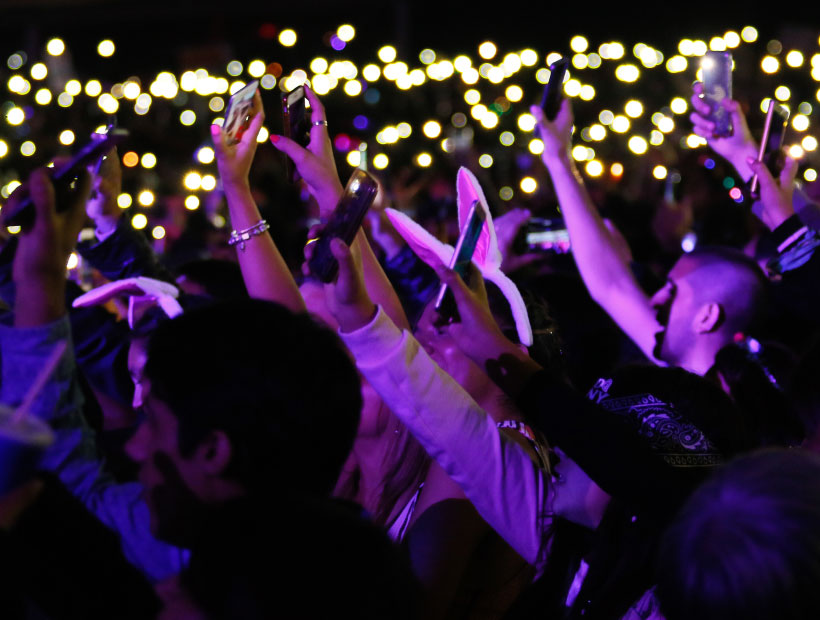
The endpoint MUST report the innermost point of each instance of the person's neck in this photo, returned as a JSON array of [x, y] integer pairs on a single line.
[[701, 357]]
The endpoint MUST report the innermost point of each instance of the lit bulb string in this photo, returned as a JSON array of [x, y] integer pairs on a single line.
[[489, 111]]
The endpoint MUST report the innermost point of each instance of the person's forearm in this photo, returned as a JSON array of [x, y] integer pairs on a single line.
[[378, 286], [739, 160], [264, 270], [39, 302], [598, 261], [605, 273]]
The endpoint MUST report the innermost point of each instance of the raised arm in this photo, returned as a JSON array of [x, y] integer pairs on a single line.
[[497, 475], [606, 274], [264, 270], [41, 322], [318, 169]]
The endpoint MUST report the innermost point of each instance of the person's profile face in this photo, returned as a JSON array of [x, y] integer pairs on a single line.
[[675, 310], [171, 482]]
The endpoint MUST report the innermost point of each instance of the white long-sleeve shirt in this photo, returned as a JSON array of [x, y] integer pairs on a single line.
[[509, 490]]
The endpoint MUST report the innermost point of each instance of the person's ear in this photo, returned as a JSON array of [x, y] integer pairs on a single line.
[[708, 318], [214, 453]]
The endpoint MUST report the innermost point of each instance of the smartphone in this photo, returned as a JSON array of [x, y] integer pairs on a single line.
[[547, 235], [363, 159], [671, 187], [462, 257], [344, 223], [237, 119], [717, 86], [22, 214], [777, 118], [295, 124], [554, 89]]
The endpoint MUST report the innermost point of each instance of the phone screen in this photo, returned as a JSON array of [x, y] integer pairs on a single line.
[[549, 241], [344, 223], [462, 256], [717, 86], [547, 235], [237, 113]]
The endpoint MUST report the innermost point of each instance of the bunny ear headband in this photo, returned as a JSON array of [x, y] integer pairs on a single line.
[[141, 291], [487, 256]]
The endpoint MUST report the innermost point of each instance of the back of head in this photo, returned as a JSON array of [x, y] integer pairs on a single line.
[[747, 543], [219, 279], [279, 385], [732, 279]]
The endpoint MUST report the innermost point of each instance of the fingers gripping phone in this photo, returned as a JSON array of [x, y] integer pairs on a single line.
[[777, 117], [344, 223], [462, 257], [22, 214], [237, 114], [554, 89], [717, 86], [295, 124]]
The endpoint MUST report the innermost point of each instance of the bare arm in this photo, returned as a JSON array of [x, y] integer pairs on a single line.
[[264, 270], [607, 276], [318, 169]]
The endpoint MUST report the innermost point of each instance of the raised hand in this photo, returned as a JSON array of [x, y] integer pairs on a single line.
[[478, 336], [775, 204], [557, 134], [42, 253], [506, 230], [315, 163], [347, 297], [106, 185], [738, 147], [234, 160]]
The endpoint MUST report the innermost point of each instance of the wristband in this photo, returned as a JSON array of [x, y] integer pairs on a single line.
[[241, 236]]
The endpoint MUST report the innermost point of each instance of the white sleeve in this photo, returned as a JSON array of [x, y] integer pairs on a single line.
[[496, 474]]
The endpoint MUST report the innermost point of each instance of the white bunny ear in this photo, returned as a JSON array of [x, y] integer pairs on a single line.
[[517, 305], [469, 191], [426, 246], [142, 293]]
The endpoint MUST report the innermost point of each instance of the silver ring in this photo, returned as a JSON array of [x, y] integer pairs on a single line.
[[319, 123]]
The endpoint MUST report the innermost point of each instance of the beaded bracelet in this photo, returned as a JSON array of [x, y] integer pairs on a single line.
[[241, 236]]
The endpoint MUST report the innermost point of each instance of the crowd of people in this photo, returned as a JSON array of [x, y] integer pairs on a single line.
[[624, 431]]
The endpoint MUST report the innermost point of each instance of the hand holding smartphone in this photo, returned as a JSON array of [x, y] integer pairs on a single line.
[[460, 263], [717, 86], [553, 93], [237, 114], [22, 214], [344, 223]]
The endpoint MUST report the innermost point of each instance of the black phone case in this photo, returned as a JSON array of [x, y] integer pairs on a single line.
[[296, 126], [553, 91], [344, 223]]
